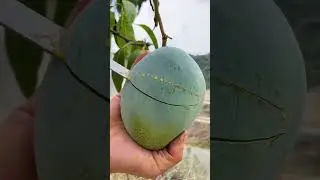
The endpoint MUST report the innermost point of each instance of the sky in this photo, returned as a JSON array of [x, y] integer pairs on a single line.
[[186, 21]]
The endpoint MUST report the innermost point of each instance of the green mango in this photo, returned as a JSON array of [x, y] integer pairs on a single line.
[[71, 134], [162, 97], [258, 89]]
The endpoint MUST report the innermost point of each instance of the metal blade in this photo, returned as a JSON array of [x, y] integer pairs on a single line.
[[33, 26], [118, 68], [40, 30]]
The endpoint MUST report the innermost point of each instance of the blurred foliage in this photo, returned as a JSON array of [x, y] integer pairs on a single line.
[[204, 64], [122, 17], [136, 3], [18, 48], [25, 57], [301, 15]]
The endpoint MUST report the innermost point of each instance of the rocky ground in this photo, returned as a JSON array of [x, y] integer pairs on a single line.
[[304, 162]]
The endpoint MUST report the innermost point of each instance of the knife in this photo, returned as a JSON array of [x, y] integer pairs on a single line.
[[46, 35]]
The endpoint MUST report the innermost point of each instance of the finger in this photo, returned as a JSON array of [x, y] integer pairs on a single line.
[[176, 148], [31, 105], [170, 156], [17, 136], [115, 113]]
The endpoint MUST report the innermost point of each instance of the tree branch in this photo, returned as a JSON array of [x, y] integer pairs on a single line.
[[119, 35], [158, 20], [150, 1]]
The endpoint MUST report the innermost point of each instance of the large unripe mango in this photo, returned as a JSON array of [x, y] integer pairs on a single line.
[[71, 141], [162, 97], [259, 82]]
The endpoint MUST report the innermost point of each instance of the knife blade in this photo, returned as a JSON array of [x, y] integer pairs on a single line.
[[46, 34]]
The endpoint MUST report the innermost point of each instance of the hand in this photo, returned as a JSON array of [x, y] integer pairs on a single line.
[[128, 157], [17, 161]]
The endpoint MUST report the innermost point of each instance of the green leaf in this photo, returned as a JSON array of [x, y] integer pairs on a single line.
[[25, 57], [117, 80], [119, 6], [129, 10], [112, 25], [120, 57], [151, 34], [125, 29], [133, 56], [136, 3], [124, 25], [112, 20]]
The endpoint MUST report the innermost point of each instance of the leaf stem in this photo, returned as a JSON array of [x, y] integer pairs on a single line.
[[151, 5], [115, 33]]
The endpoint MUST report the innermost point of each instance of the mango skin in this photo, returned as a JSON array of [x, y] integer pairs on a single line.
[[258, 75], [164, 95], [71, 134]]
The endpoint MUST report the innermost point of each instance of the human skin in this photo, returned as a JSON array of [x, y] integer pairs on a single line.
[[17, 159], [138, 161], [128, 157]]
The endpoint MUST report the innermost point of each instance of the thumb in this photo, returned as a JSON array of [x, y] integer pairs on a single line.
[[31, 105], [115, 112]]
